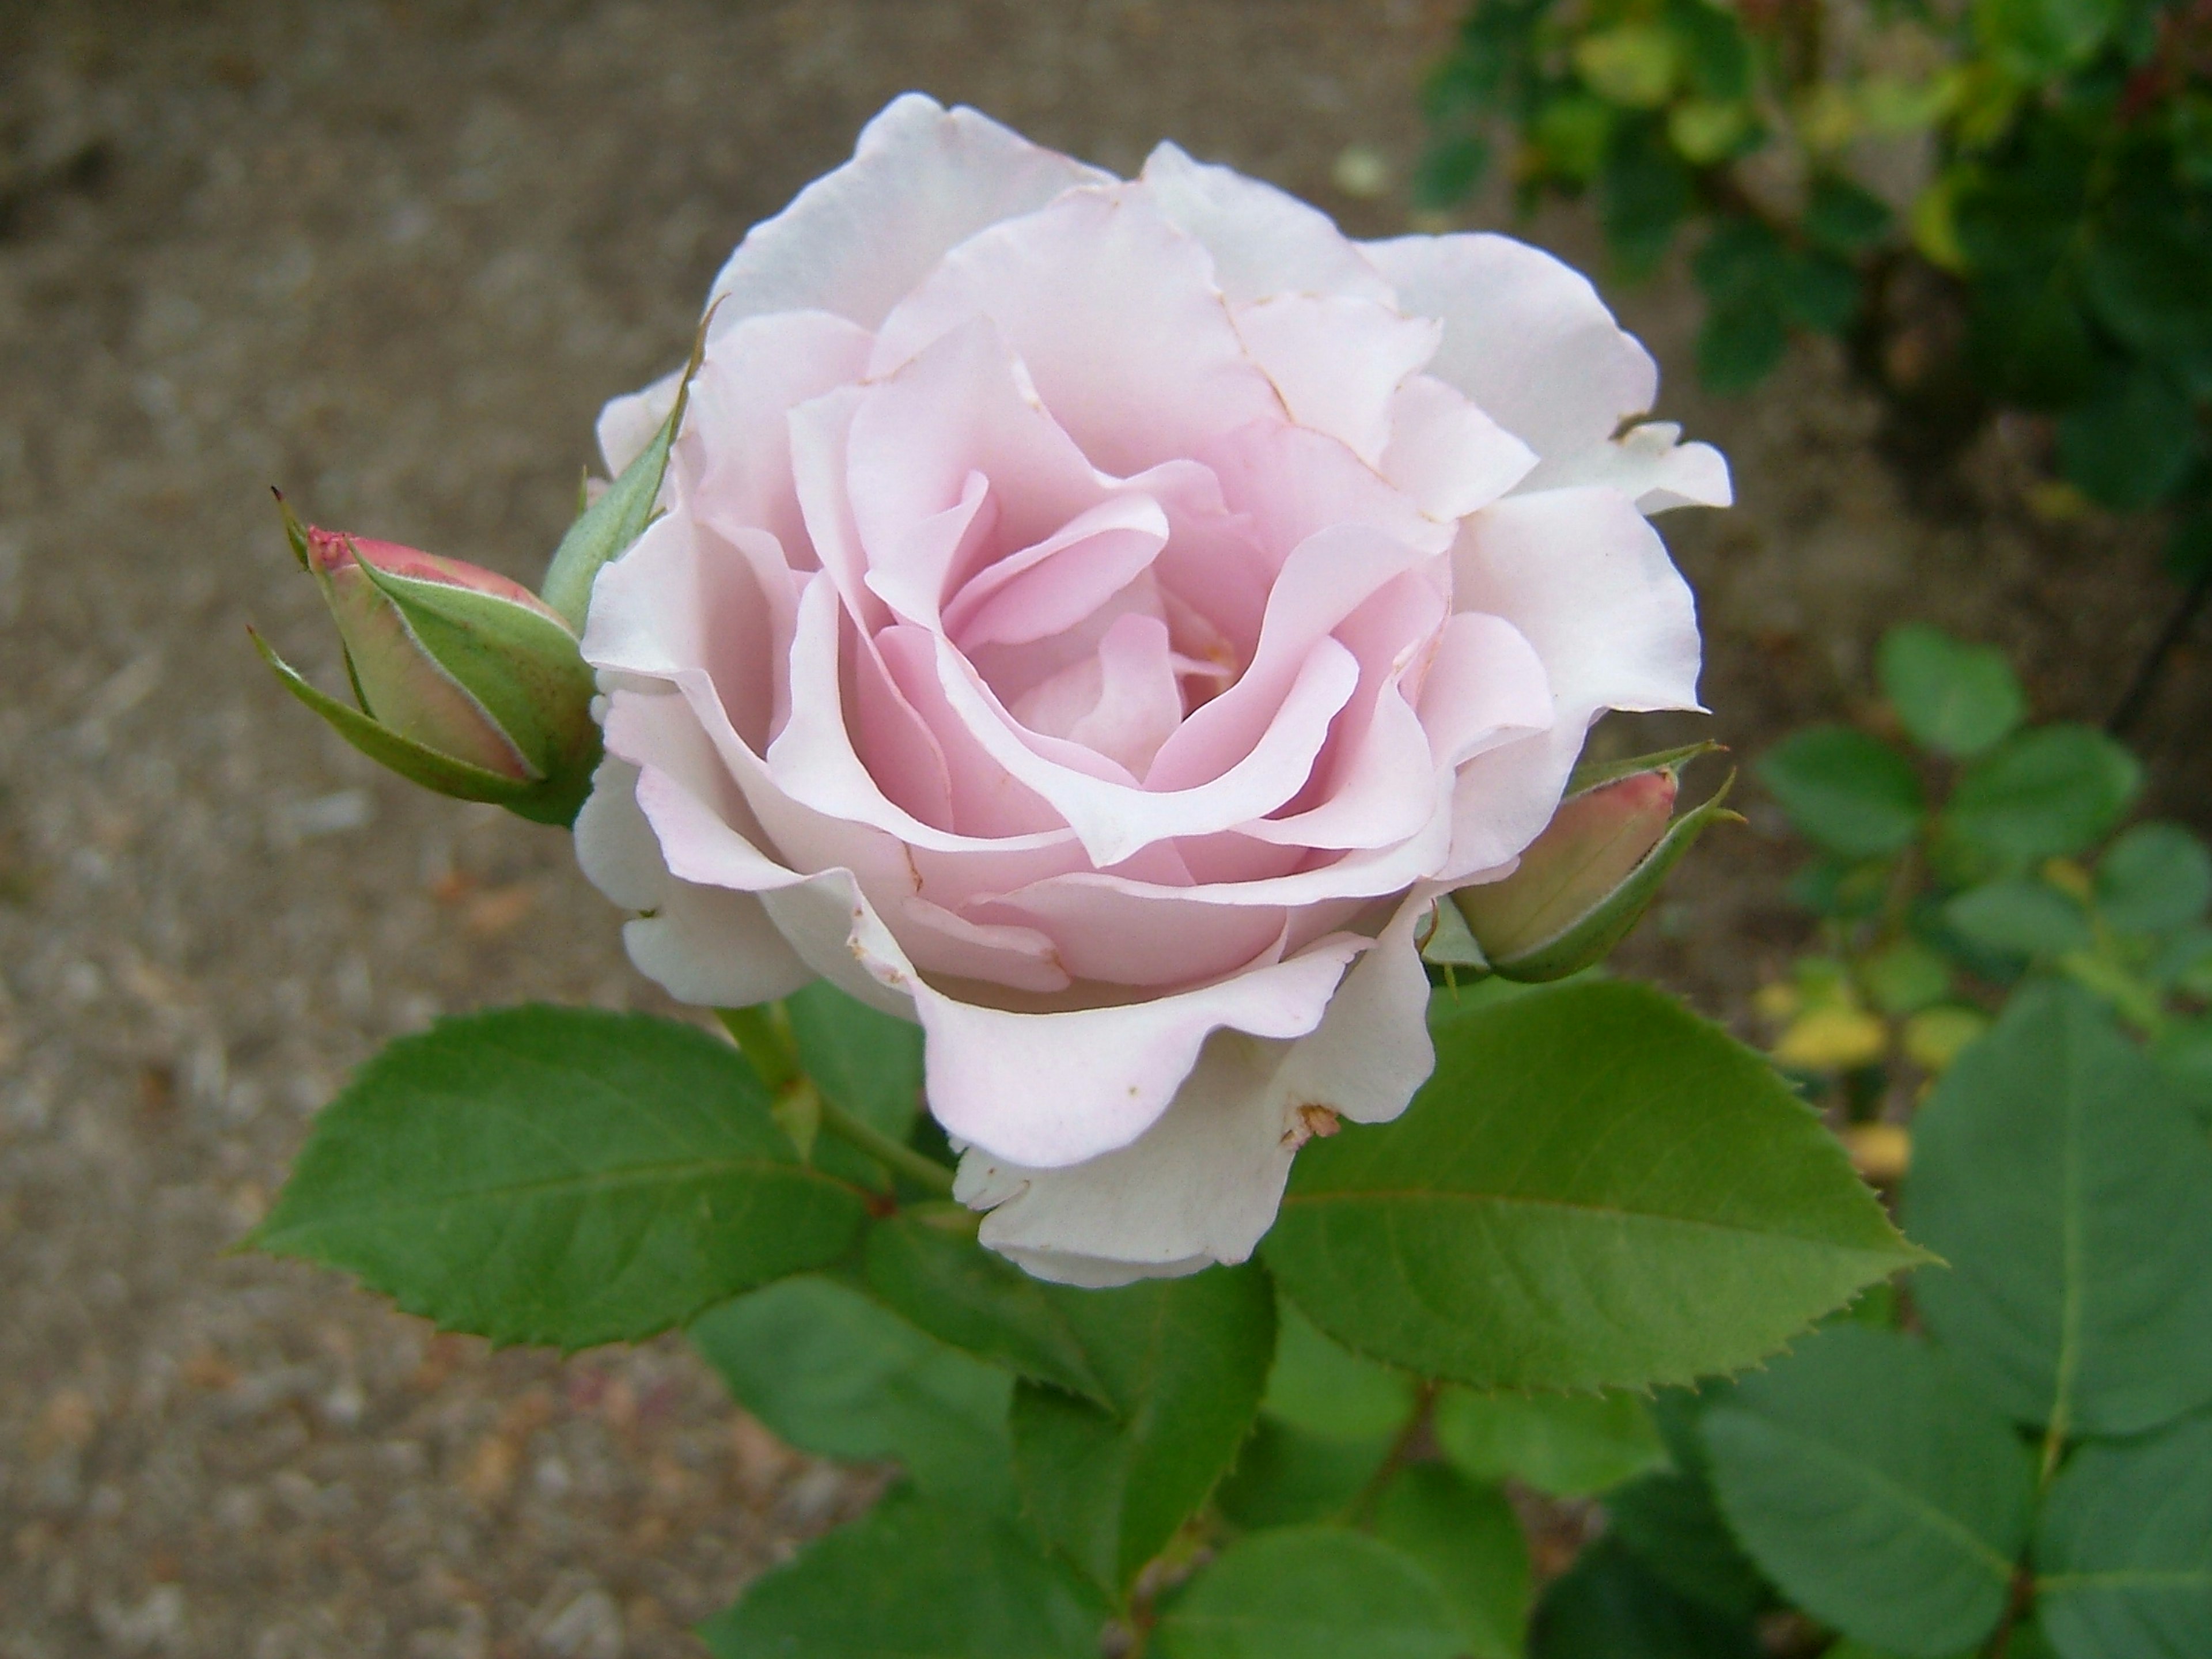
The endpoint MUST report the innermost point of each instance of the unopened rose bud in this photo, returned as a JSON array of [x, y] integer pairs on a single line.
[[1582, 884], [467, 682]]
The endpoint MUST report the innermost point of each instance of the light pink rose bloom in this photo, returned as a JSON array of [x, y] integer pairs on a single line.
[[1095, 619]]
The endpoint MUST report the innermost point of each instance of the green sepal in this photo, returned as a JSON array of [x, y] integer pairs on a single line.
[[1592, 936], [541, 802], [1595, 775], [1451, 943], [609, 526]]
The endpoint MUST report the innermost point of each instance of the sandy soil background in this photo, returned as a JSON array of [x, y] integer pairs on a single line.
[[392, 256]]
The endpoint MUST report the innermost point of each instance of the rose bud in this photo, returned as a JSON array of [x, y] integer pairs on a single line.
[[467, 682], [1583, 884]]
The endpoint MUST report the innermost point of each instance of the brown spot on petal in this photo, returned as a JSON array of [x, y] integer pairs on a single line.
[[1311, 1123]]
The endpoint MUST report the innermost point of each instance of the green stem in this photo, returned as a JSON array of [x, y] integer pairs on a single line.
[[763, 1036], [918, 1168], [1410, 1433], [764, 1039]]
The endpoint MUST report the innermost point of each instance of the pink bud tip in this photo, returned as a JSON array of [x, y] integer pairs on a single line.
[[334, 550]]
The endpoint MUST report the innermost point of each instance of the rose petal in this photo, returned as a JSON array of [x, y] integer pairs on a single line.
[[1525, 336], [1647, 463], [1588, 581], [1202, 1185], [627, 423], [732, 622], [1484, 683], [1446, 454], [1263, 241], [1044, 1089], [1113, 311], [1049, 587], [705, 946], [1326, 577], [956, 410], [1114, 819], [734, 452], [1337, 362], [922, 181]]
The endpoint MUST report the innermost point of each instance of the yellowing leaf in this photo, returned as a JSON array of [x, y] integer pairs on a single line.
[[1826, 118], [1634, 65], [1934, 1036], [1777, 1002], [1834, 1038], [1880, 1152], [1704, 131], [1934, 225]]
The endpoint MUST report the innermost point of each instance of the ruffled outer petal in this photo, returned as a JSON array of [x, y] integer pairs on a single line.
[[922, 181], [1203, 1184], [709, 946], [1525, 338], [1649, 463]]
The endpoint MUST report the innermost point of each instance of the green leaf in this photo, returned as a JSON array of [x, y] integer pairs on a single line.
[[1644, 192], [1905, 977], [2021, 915], [1842, 215], [1954, 698], [914, 1580], [559, 1175], [1744, 270], [1567, 1445], [2038, 39], [1846, 792], [833, 1374], [1820, 292], [2062, 1178], [1311, 1593], [2155, 879], [1673, 1524], [1609, 1605], [1319, 1387], [2044, 794], [1183, 1362], [2144, 274], [2131, 442], [2186, 963], [1285, 1476], [2123, 1554], [1872, 1484], [1739, 344], [1596, 1188], [1714, 51], [2184, 1053], [1470, 1538], [927, 1265]]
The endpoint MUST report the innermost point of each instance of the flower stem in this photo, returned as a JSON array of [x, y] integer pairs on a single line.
[[921, 1169], [764, 1039], [762, 1035], [1409, 1436]]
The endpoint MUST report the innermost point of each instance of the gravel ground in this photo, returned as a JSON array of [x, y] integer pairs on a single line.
[[392, 258]]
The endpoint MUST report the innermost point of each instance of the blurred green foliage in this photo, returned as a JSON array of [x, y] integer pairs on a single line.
[[1999, 203]]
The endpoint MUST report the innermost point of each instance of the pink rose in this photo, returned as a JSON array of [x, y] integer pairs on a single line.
[[1095, 619]]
